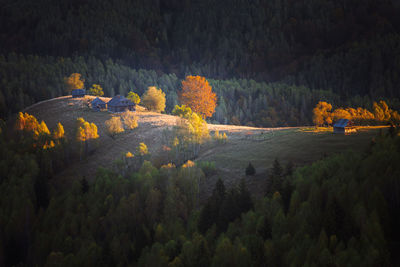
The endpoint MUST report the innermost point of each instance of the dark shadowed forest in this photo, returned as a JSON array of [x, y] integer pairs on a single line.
[[269, 61]]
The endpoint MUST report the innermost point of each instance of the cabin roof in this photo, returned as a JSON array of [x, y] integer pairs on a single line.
[[341, 123], [78, 91], [98, 101], [121, 101]]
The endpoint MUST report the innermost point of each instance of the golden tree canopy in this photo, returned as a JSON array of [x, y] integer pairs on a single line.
[[74, 81], [114, 126], [322, 113], [59, 131], [96, 90], [198, 95], [154, 99], [86, 130], [130, 120], [135, 98]]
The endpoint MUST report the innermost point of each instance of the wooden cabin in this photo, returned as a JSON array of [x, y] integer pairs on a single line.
[[98, 104], [343, 126], [78, 93], [120, 104]]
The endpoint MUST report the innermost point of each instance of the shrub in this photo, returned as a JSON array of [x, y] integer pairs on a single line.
[[114, 126], [130, 120]]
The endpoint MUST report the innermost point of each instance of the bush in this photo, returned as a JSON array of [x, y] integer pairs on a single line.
[[114, 126], [250, 170], [130, 120]]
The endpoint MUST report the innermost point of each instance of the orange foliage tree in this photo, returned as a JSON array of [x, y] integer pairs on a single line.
[[198, 95], [322, 114]]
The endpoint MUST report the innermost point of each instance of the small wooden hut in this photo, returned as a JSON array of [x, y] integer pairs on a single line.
[[98, 104], [120, 104], [343, 126]]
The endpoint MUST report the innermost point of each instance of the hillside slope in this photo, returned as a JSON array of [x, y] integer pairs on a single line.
[[245, 144]]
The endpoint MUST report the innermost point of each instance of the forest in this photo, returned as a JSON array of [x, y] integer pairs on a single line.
[[270, 62], [340, 210]]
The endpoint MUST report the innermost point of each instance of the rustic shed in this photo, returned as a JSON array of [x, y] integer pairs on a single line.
[[120, 104], [343, 126], [98, 104], [78, 93]]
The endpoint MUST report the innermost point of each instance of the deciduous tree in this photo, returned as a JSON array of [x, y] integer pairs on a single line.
[[154, 99], [96, 90], [135, 98], [74, 81], [198, 95], [322, 114]]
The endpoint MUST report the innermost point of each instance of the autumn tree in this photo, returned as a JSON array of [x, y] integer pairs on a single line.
[[182, 111], [130, 120], [85, 133], [142, 149], [114, 126], [74, 81], [154, 99], [198, 95], [58, 132], [322, 114], [135, 98], [96, 90], [29, 124]]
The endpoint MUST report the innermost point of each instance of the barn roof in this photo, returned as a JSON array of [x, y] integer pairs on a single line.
[[341, 123], [119, 100], [78, 91], [97, 101]]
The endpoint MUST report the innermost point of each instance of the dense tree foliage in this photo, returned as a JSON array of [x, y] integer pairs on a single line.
[[96, 90], [73, 82], [154, 99], [198, 95], [135, 98], [240, 101], [381, 114]]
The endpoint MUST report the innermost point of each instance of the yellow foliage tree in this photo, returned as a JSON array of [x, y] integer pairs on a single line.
[[130, 120], [96, 90], [86, 130], [198, 95], [154, 99], [28, 123], [142, 149], [114, 126], [135, 98], [74, 81], [58, 132]]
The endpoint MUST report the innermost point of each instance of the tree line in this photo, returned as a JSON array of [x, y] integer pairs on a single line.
[[29, 79]]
